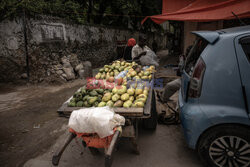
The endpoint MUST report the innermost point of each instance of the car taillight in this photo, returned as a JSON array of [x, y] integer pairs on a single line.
[[196, 79]]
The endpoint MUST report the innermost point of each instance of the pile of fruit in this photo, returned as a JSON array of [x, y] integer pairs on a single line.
[[134, 71], [126, 85]]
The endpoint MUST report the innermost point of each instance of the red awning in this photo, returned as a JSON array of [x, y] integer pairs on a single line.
[[201, 10]]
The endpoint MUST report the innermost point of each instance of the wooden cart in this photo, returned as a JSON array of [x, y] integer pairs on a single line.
[[147, 114]]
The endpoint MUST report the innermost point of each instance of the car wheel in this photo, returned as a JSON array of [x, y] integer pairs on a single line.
[[225, 146]]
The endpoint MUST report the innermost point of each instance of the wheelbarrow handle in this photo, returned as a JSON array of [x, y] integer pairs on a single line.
[[108, 155], [56, 158]]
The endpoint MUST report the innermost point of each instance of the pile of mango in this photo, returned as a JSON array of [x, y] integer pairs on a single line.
[[129, 91], [108, 72]]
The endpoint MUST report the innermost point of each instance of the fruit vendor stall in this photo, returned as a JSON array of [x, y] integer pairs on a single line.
[[127, 89]]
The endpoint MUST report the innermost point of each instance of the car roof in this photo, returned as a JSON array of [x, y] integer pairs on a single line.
[[212, 36], [235, 30]]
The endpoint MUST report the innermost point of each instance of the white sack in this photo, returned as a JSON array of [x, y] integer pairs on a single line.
[[149, 59], [100, 120]]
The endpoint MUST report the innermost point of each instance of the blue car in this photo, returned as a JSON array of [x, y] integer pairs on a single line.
[[214, 98]]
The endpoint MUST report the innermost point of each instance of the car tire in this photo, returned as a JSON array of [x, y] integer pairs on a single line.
[[151, 122], [226, 145]]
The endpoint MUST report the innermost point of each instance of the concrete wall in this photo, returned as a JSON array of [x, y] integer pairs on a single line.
[[195, 26], [49, 39]]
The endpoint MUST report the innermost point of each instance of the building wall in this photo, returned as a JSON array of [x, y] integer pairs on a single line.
[[49, 39], [196, 26]]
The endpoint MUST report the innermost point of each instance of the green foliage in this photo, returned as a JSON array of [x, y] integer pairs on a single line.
[[119, 13]]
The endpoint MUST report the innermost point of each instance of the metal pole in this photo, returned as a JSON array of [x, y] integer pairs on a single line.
[[26, 45]]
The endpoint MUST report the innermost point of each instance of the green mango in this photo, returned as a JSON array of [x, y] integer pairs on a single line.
[[110, 103], [121, 68], [78, 96], [139, 104], [115, 97], [101, 70], [122, 90], [93, 93], [127, 104], [125, 97], [132, 98], [72, 104], [86, 104], [79, 104], [85, 97], [114, 90], [131, 91], [83, 91], [119, 103], [106, 97], [102, 104], [73, 100], [92, 100], [141, 96], [141, 99], [100, 91]]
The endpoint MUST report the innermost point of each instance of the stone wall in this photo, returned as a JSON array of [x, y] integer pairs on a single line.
[[50, 39]]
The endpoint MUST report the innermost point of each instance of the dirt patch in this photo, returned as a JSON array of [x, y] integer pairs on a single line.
[[29, 123]]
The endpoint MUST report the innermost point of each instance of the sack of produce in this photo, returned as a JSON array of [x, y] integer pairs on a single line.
[[100, 120]]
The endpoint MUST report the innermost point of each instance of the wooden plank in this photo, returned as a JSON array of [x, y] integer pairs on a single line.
[[121, 111], [64, 109], [147, 107]]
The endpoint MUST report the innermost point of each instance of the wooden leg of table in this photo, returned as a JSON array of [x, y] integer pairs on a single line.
[[56, 158], [135, 146], [134, 139]]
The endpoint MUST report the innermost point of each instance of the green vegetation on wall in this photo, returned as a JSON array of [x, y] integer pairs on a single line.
[[118, 13]]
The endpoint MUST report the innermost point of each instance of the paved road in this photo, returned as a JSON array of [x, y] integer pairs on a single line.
[[164, 147]]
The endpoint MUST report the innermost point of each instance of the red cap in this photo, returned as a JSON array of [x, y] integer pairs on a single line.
[[131, 42]]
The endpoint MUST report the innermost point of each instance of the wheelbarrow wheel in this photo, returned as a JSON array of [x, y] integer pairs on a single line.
[[151, 122]]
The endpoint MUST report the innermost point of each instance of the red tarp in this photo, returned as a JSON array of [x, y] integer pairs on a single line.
[[201, 10]]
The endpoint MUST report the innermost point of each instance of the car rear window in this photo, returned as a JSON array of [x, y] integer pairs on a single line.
[[245, 43], [194, 54]]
